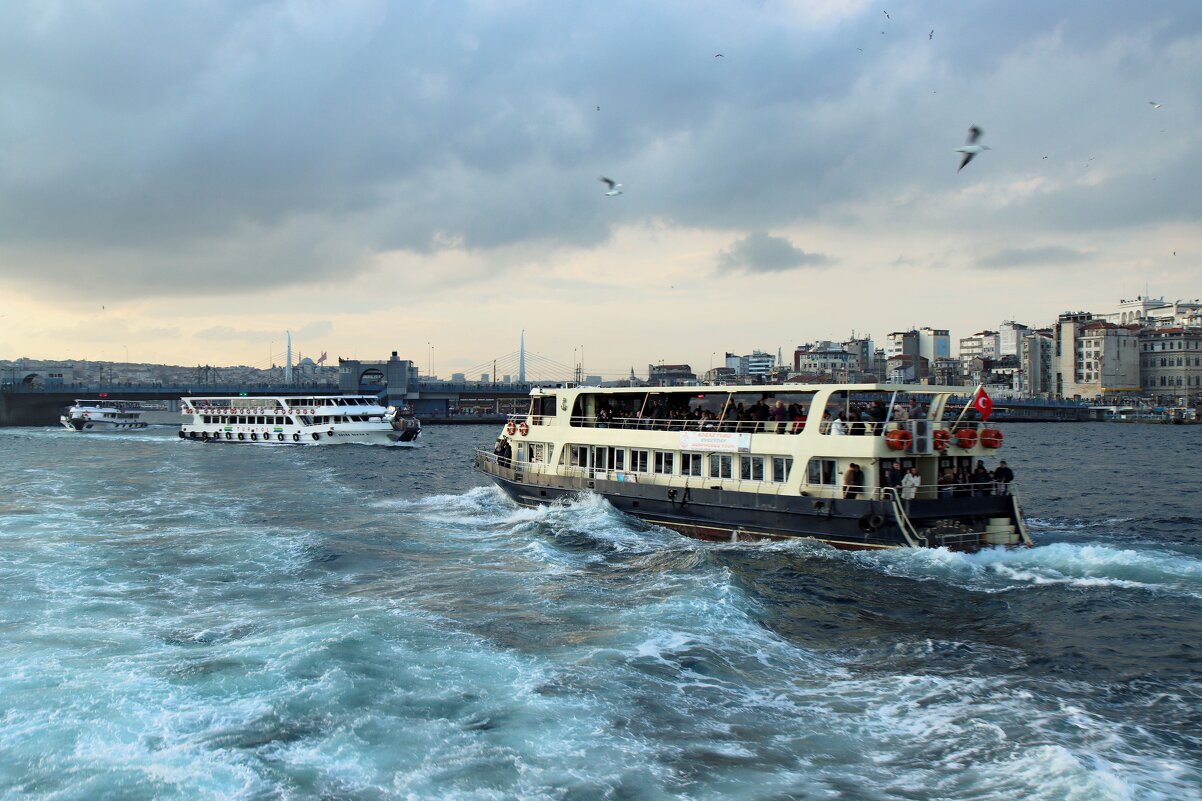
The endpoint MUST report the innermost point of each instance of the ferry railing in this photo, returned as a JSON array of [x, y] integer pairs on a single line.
[[876, 428]]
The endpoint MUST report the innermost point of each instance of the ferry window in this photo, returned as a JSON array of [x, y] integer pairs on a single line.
[[781, 465], [619, 459], [638, 461], [536, 451], [690, 464], [663, 462], [544, 406], [821, 471], [720, 465], [751, 468]]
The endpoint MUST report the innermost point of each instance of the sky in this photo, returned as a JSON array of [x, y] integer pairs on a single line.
[[184, 182]]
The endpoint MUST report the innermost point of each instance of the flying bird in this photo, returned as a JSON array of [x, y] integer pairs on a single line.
[[1154, 104], [971, 148], [886, 13], [719, 55], [614, 188], [931, 35]]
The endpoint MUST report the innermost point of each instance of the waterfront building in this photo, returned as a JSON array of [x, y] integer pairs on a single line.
[[1156, 313], [670, 375], [1171, 363], [1095, 358], [982, 345], [1034, 378], [1009, 335], [826, 359], [721, 375], [934, 343], [945, 371], [923, 345]]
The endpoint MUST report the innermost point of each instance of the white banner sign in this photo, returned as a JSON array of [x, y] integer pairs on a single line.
[[714, 442]]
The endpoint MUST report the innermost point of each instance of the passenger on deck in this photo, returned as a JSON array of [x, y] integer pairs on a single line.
[[838, 426], [894, 475], [947, 483], [853, 481], [779, 415], [910, 484], [963, 487], [982, 481], [1003, 476]]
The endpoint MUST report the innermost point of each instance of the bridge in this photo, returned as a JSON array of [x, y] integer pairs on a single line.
[[41, 405], [30, 399]]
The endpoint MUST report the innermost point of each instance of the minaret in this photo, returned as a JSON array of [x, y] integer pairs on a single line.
[[522, 359], [288, 368]]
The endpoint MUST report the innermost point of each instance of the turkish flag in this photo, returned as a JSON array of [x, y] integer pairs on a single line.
[[983, 403]]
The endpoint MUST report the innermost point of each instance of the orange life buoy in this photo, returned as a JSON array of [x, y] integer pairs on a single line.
[[523, 429], [966, 437], [511, 427], [898, 440], [941, 439], [991, 438]]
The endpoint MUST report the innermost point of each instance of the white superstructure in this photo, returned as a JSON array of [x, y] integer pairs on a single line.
[[298, 420], [102, 414]]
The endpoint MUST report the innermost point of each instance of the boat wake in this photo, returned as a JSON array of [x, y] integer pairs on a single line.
[[1076, 565]]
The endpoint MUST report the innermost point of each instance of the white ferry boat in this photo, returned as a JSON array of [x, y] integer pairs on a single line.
[[301, 420], [781, 461], [102, 414]]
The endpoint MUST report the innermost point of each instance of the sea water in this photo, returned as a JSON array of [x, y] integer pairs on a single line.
[[181, 620]]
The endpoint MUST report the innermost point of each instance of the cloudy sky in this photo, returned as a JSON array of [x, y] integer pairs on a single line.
[[182, 182]]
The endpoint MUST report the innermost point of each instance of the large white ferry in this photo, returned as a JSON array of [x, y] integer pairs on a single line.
[[102, 414], [781, 461], [300, 420]]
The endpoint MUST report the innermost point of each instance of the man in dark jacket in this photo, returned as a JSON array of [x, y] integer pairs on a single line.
[[1003, 476]]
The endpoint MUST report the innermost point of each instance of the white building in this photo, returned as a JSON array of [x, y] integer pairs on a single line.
[[1095, 358]]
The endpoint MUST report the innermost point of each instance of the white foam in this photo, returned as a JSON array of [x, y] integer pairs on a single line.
[[1078, 565]]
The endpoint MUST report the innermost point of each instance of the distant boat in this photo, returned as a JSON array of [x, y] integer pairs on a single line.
[[102, 415], [304, 420]]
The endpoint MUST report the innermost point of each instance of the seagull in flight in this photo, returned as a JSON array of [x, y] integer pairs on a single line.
[[614, 188], [931, 35], [886, 13], [971, 148], [1154, 104], [719, 55]]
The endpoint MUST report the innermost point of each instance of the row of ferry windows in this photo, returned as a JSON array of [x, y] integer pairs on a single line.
[[673, 463]]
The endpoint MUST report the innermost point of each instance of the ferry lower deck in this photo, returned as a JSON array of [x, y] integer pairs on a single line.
[[882, 521]]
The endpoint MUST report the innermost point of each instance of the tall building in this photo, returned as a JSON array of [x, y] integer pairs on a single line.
[[825, 359], [1034, 379], [1171, 363], [934, 343], [670, 375], [1010, 334], [1094, 358]]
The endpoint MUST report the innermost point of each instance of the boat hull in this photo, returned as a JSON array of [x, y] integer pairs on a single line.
[[98, 426], [324, 437], [725, 515]]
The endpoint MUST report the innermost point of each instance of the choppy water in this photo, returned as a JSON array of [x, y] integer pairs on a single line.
[[181, 621]]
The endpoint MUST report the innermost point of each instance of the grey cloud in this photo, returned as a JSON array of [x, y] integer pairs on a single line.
[[227, 333], [279, 143], [763, 253], [1029, 257]]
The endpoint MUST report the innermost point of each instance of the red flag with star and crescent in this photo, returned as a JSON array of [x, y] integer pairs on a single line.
[[982, 403]]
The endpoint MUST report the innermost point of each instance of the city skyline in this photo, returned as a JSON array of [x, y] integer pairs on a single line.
[[375, 178]]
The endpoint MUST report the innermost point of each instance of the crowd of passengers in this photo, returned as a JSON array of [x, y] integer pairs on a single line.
[[765, 415]]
